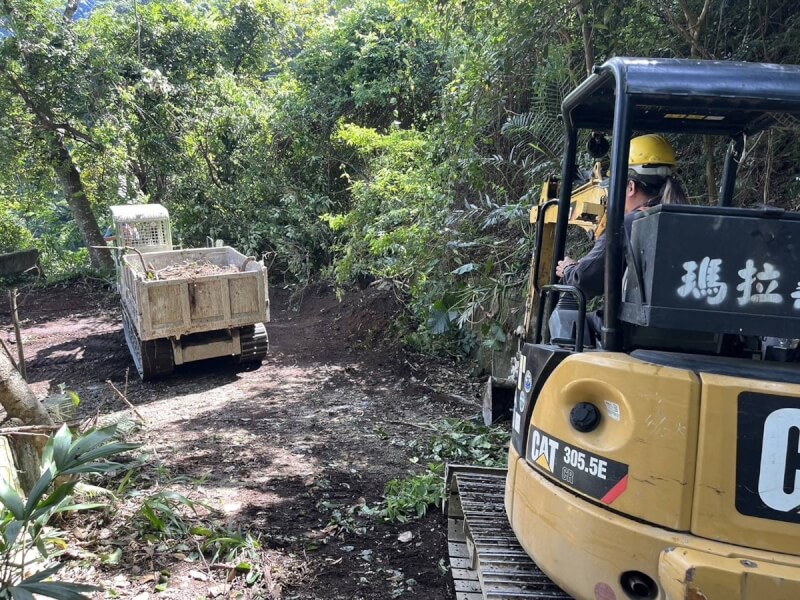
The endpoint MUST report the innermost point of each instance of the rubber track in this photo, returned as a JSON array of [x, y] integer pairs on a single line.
[[153, 358], [255, 343], [488, 562], [157, 359]]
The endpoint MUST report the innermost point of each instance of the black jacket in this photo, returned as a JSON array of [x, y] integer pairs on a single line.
[[588, 274]]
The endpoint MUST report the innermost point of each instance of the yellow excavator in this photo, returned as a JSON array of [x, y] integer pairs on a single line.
[[658, 456]]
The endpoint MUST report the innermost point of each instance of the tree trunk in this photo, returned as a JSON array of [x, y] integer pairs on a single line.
[[711, 169], [586, 32], [76, 197], [21, 406]]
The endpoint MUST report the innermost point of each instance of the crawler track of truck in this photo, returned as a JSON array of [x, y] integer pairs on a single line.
[[153, 358], [487, 561], [255, 343]]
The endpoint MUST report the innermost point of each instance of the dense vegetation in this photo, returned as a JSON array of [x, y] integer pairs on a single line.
[[374, 138]]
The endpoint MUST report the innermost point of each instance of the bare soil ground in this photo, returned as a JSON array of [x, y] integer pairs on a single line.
[[323, 423]]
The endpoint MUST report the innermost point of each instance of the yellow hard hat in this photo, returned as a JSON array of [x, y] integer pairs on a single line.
[[651, 154]]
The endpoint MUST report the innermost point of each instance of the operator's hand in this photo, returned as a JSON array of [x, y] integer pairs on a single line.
[[562, 265]]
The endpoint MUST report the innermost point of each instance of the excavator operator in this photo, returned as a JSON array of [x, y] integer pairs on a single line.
[[650, 182]]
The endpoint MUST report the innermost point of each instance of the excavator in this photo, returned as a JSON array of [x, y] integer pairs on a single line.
[[656, 456]]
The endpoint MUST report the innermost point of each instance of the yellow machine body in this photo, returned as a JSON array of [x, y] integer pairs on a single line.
[[653, 488], [655, 448], [587, 205]]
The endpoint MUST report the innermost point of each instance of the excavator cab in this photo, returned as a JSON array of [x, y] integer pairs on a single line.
[[661, 461]]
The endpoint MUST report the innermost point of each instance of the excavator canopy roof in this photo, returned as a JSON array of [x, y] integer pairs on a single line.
[[687, 96]]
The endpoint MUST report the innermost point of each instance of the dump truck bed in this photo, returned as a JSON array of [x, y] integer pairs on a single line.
[[180, 292]]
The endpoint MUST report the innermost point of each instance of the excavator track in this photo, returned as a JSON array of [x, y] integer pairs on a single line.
[[486, 559]]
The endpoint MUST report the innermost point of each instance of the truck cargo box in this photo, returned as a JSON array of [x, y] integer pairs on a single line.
[[180, 292]]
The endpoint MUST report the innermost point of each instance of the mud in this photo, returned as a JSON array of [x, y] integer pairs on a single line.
[[324, 422]]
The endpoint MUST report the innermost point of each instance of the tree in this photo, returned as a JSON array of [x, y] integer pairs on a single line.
[[373, 65], [22, 407], [42, 79]]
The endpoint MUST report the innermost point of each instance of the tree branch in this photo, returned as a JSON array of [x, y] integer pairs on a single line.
[[689, 36], [701, 20], [687, 13], [696, 24], [45, 119], [586, 31], [71, 9], [124, 398], [44, 430], [212, 170]]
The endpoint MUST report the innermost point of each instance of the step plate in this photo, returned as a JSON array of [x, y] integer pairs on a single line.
[[486, 559]]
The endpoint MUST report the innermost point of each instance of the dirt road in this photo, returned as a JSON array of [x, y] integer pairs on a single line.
[[320, 427]]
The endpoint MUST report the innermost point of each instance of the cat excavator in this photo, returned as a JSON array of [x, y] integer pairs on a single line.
[[656, 456]]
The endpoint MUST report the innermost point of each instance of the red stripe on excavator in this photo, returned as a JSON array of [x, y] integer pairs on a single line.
[[616, 491]]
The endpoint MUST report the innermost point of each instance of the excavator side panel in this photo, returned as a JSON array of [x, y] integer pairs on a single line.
[[710, 519], [748, 469], [587, 550], [639, 458]]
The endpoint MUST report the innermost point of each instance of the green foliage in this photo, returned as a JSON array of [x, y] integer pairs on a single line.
[[227, 546], [375, 63], [160, 515], [48, 226], [13, 233], [167, 516], [25, 537], [205, 127], [469, 442], [405, 499], [232, 547], [390, 139], [395, 224], [464, 442], [345, 519]]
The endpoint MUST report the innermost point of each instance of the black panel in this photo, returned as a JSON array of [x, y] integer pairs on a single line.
[[729, 82], [732, 96], [594, 475], [717, 269], [720, 365], [768, 457], [540, 361]]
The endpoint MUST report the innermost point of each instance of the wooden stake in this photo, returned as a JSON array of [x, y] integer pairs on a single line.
[[12, 299]]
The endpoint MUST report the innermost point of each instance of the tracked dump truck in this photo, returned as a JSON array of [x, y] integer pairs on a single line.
[[657, 457], [180, 306]]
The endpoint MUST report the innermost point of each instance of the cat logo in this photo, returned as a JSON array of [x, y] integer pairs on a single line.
[[768, 457], [543, 450], [778, 481]]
